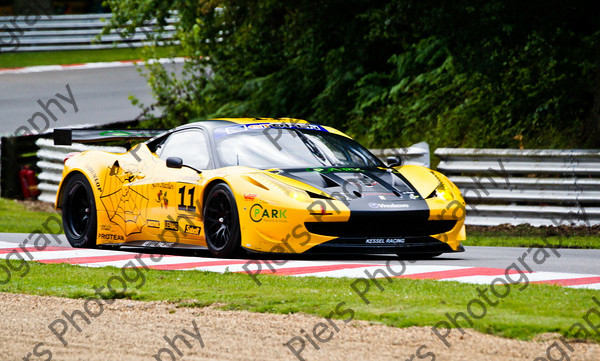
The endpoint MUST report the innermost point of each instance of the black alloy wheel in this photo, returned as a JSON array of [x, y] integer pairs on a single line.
[[221, 222], [79, 212]]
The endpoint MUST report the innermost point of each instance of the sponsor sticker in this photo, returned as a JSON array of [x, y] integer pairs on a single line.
[[171, 225], [153, 223], [297, 126], [111, 237], [95, 177], [259, 213], [249, 197], [157, 244], [162, 199], [388, 205], [331, 169], [162, 185], [385, 240], [192, 229]]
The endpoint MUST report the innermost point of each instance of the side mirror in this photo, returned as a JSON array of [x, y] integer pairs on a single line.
[[393, 161], [174, 162]]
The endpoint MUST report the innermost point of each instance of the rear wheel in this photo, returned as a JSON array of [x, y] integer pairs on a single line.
[[221, 222], [79, 212]]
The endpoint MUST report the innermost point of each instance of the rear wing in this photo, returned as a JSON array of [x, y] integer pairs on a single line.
[[68, 136]]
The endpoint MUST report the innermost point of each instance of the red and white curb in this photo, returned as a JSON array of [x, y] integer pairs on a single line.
[[102, 258], [96, 65]]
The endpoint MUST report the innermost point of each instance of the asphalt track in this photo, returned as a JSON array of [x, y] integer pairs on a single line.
[[578, 261], [101, 96]]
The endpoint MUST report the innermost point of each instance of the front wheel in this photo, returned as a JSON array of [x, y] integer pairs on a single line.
[[79, 212], [221, 222]]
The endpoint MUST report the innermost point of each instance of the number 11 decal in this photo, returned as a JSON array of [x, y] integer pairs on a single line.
[[182, 206]]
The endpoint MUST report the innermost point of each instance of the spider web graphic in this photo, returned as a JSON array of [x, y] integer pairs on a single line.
[[124, 206]]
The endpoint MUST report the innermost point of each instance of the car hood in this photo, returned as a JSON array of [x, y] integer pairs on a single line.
[[363, 189]]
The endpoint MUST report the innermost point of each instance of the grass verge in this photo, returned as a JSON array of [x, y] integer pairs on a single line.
[[526, 311], [16, 218], [589, 242], [14, 60], [528, 236]]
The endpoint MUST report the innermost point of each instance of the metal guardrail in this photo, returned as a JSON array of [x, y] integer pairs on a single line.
[[71, 32], [417, 154], [51, 162], [540, 187]]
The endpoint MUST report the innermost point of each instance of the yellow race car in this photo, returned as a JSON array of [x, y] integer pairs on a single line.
[[261, 185]]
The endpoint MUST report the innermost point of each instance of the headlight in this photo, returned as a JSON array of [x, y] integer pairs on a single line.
[[442, 190]]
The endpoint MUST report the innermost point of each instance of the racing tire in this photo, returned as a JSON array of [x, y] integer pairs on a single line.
[[79, 212], [222, 222]]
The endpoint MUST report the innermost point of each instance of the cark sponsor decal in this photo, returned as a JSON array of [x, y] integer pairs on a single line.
[[171, 225], [259, 213], [388, 205], [192, 229]]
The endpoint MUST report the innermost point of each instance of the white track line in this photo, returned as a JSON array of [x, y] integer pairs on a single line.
[[96, 65], [472, 275]]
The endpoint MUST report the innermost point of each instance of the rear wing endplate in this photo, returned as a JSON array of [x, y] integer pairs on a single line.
[[68, 136]]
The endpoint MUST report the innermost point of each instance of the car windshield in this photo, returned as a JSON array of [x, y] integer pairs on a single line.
[[291, 148]]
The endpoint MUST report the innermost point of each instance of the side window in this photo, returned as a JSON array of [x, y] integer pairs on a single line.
[[189, 145]]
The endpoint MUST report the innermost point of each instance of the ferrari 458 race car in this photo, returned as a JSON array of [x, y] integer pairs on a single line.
[[262, 185]]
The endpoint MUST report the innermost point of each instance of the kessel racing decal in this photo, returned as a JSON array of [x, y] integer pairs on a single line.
[[385, 240]]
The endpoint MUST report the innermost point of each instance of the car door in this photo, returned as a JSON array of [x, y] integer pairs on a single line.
[[174, 214]]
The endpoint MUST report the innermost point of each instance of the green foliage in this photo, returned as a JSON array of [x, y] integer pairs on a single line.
[[467, 73]]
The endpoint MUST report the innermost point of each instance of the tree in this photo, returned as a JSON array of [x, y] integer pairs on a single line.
[[463, 73]]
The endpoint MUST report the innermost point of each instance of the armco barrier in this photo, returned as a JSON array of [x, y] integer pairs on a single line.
[[51, 162], [70, 32], [540, 187], [417, 154]]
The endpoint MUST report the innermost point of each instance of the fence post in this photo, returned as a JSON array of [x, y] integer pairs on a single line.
[[9, 173]]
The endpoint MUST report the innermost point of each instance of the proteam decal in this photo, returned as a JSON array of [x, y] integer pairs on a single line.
[[259, 213], [112, 237]]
